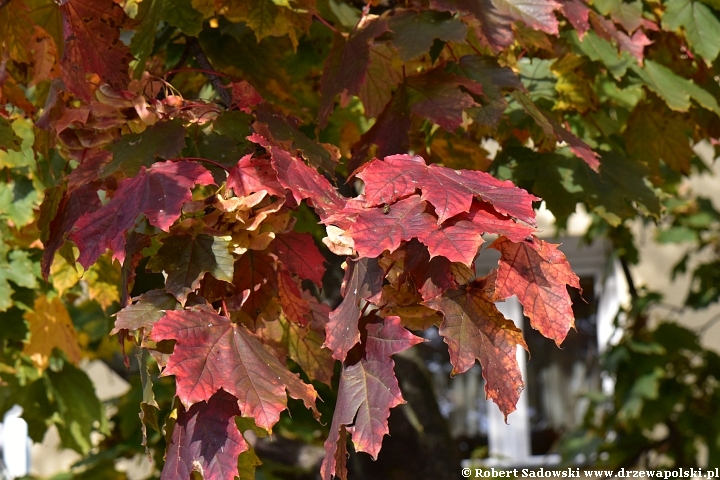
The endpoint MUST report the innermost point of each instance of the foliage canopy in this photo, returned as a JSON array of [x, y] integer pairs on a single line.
[[234, 146]]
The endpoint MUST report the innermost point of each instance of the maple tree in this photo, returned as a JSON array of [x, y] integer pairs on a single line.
[[178, 173]]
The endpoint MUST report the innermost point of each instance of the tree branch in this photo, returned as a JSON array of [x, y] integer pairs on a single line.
[[202, 60]]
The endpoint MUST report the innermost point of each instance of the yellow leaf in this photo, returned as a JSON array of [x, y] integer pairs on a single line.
[[50, 327], [103, 279], [64, 275]]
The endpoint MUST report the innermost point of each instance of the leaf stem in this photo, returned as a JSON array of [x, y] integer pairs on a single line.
[[325, 22]]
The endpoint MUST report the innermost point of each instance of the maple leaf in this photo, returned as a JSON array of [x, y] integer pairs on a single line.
[[245, 96], [380, 80], [450, 191], [283, 133], [73, 205], [389, 132], [303, 181], [634, 45], [252, 175], [380, 228], [488, 220], [298, 252], [551, 127], [130, 152], [367, 392], [158, 192], [304, 345], [430, 276], [145, 310], [413, 32], [50, 327], [458, 242], [473, 328], [92, 45], [537, 273], [205, 440], [255, 281], [186, 259], [396, 176], [14, 31], [294, 306], [347, 64], [577, 13], [436, 95], [211, 352], [363, 281]]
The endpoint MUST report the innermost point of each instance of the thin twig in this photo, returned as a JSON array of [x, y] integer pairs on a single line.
[[325, 22], [197, 52]]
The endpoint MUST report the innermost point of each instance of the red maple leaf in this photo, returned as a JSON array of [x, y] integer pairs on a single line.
[[537, 273], [205, 440], [430, 277], [367, 392], [437, 96], [251, 175], [255, 283], [303, 181], [347, 64], [158, 192], [300, 255], [73, 205], [458, 242], [474, 328], [396, 176], [363, 281], [484, 216], [294, 306], [383, 228], [450, 191], [92, 45], [211, 352], [577, 13], [245, 96], [607, 30]]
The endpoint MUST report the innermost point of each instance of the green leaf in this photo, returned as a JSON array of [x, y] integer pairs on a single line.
[[18, 200], [646, 387], [186, 259], [674, 89], [413, 32], [600, 50], [538, 78], [248, 462], [164, 139], [16, 267], [150, 14], [701, 26], [8, 139], [181, 14], [677, 235], [66, 399]]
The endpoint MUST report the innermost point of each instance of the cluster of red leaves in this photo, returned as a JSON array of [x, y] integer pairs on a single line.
[[234, 309]]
